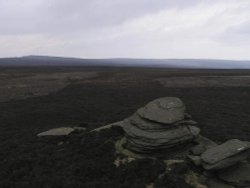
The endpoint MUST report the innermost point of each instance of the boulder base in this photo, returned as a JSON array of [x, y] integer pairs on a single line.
[[238, 175]]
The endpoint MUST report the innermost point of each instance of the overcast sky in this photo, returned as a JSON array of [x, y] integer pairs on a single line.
[[126, 28]]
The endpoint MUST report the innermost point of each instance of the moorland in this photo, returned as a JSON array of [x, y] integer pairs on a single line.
[[35, 99]]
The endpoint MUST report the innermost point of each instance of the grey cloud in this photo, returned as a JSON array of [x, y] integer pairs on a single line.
[[126, 28], [62, 16], [237, 34], [242, 29]]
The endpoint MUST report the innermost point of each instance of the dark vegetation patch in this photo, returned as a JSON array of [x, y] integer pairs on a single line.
[[174, 178], [82, 160]]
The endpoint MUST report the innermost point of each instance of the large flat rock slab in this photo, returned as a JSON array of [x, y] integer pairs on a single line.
[[227, 149], [62, 131], [230, 161], [225, 155]]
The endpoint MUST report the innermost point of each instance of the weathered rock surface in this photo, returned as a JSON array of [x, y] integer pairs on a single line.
[[159, 139], [224, 155], [159, 125], [180, 133], [145, 124], [238, 175], [166, 110], [148, 125], [62, 131]]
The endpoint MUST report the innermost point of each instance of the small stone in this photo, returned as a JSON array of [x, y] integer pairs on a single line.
[[195, 159], [203, 144], [60, 143]]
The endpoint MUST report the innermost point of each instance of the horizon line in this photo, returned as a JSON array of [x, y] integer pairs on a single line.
[[128, 58]]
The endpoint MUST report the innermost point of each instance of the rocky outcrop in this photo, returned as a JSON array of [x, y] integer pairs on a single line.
[[164, 127], [161, 124]]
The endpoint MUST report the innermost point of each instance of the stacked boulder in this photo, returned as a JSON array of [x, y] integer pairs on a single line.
[[161, 124]]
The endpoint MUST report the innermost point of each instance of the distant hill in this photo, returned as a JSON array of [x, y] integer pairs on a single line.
[[126, 62]]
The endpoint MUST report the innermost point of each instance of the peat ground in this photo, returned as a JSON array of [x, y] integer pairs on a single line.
[[27, 161]]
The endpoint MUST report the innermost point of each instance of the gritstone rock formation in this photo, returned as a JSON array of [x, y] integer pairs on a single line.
[[161, 124], [164, 124], [163, 127]]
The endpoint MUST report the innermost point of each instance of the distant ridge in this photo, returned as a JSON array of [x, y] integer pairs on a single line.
[[34, 60]]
